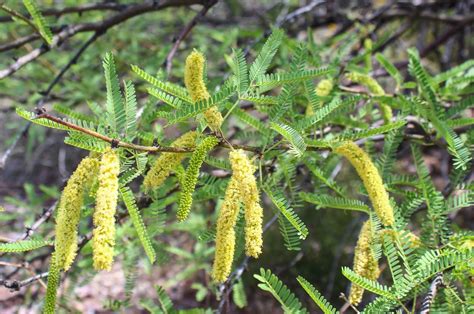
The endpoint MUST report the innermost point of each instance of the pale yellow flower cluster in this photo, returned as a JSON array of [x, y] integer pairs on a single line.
[[365, 263], [374, 87], [194, 81], [371, 179], [323, 89], [163, 166], [69, 211], [242, 188], [103, 239]]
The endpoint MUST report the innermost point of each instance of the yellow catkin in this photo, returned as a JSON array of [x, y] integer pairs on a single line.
[[167, 162], [371, 179], [194, 81], [69, 212], [374, 88], [323, 89], [365, 263], [103, 239], [225, 234], [253, 213]]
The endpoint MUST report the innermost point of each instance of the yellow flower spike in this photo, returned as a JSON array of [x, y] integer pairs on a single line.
[[103, 239], [253, 214], [365, 263], [69, 211], [371, 179], [194, 81], [225, 234], [374, 87], [167, 162], [323, 89]]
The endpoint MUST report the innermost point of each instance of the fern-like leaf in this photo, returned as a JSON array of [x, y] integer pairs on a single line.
[[271, 283], [23, 246], [280, 202], [367, 284], [129, 200], [39, 20], [317, 297], [297, 144], [328, 201], [116, 117], [130, 111], [266, 54]]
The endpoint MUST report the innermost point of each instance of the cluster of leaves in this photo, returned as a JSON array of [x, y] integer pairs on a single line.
[[269, 107]]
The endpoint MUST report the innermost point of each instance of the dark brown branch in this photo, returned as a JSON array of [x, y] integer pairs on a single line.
[[17, 285], [103, 6], [185, 32], [98, 27], [19, 42], [149, 149], [45, 96]]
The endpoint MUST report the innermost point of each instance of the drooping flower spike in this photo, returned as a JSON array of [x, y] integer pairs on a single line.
[[365, 263], [371, 178], [103, 238], [69, 211], [241, 188]]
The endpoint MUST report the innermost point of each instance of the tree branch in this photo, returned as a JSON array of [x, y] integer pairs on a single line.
[[98, 27]]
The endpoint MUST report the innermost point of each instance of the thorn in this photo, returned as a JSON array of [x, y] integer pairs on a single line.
[[114, 143]]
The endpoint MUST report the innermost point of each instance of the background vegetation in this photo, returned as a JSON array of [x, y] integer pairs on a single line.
[[62, 73]]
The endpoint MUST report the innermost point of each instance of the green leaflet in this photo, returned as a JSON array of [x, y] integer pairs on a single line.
[[129, 200], [317, 297], [271, 283], [297, 144], [367, 284], [23, 246], [328, 201], [116, 117], [39, 21], [266, 54], [280, 202]]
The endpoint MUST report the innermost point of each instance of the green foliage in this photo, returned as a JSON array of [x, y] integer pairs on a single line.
[[271, 110], [265, 56], [39, 20], [23, 246], [318, 299], [269, 282], [129, 200]]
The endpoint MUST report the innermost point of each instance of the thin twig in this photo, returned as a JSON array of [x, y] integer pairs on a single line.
[[102, 6], [17, 285], [99, 27], [184, 33]]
